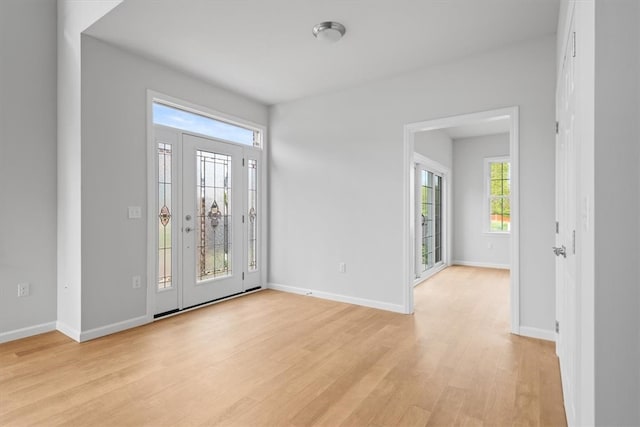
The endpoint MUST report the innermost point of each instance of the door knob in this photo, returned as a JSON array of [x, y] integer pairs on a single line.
[[560, 251], [187, 229]]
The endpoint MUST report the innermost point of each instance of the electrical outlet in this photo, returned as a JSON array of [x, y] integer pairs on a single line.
[[136, 282], [342, 267], [23, 290]]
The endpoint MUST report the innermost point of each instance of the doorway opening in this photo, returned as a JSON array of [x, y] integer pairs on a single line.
[[497, 218], [206, 216]]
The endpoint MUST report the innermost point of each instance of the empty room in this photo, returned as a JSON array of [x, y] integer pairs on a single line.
[[362, 212]]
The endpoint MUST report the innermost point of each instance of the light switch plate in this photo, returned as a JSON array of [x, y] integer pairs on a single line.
[[135, 212]]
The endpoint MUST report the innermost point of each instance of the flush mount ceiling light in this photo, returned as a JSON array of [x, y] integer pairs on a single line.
[[329, 31]]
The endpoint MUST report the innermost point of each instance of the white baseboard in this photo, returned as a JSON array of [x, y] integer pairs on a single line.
[[430, 273], [541, 334], [482, 264], [74, 334], [340, 298], [29, 331], [113, 328]]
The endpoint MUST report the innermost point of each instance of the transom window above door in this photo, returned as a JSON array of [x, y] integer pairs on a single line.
[[189, 121]]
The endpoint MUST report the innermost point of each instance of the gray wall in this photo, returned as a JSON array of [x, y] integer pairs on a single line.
[[436, 145], [616, 216], [337, 181], [470, 240], [114, 175], [27, 162]]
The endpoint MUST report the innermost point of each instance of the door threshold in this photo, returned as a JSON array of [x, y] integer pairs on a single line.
[[170, 313]]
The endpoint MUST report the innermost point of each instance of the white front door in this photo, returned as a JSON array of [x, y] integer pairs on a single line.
[[567, 293], [212, 204], [208, 218]]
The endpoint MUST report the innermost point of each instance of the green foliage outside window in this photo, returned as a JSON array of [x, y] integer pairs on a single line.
[[499, 196]]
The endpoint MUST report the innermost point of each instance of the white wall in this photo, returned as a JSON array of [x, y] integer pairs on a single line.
[[470, 240], [616, 216], [436, 145], [73, 18], [27, 163], [337, 180], [114, 175]]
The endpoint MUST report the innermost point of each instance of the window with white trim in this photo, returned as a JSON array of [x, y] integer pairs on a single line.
[[497, 213], [191, 121]]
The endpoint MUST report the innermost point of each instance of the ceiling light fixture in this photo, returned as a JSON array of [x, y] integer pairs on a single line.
[[329, 31]]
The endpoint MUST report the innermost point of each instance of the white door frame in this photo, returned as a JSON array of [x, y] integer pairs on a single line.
[[408, 181], [151, 214]]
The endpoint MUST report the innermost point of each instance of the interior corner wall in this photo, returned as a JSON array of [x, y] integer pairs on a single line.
[[27, 164], [471, 242], [73, 18], [616, 225], [435, 145], [336, 174], [114, 171]]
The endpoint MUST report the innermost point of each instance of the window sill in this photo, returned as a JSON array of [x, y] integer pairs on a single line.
[[497, 233]]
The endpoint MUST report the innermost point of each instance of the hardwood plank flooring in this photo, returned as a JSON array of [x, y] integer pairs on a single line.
[[273, 358]]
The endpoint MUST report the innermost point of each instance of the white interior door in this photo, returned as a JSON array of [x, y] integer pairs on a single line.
[[567, 293]]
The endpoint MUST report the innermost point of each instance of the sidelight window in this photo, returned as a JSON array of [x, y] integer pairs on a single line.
[[165, 210]]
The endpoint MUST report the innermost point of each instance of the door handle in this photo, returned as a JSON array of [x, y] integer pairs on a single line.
[[187, 229], [560, 251]]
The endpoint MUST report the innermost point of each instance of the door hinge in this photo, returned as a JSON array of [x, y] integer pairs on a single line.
[[574, 44], [557, 327], [574, 241], [557, 128], [242, 162], [243, 275], [557, 227], [243, 219]]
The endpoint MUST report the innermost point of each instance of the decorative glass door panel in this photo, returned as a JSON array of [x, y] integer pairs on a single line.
[[252, 218], [166, 241], [214, 219], [211, 220], [165, 209]]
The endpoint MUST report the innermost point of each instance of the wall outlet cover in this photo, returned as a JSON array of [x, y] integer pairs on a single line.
[[23, 290]]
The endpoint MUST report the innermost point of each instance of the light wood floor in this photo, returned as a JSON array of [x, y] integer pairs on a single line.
[[280, 359]]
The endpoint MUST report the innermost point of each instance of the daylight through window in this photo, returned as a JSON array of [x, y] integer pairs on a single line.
[[499, 195], [197, 123]]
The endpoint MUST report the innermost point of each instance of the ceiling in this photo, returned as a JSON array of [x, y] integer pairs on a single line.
[[265, 49]]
